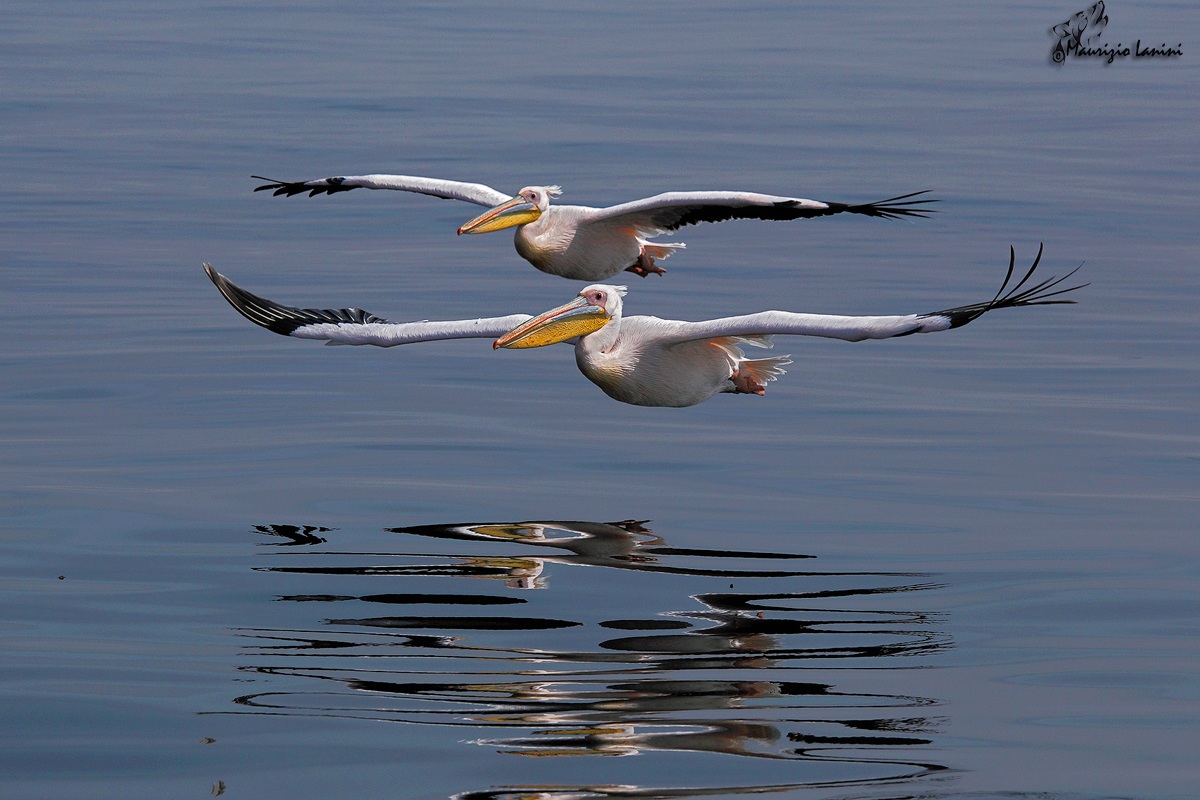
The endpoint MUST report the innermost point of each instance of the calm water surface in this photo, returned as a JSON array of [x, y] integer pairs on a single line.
[[956, 566]]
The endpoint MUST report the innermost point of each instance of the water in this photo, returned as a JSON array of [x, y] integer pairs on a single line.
[[960, 565]]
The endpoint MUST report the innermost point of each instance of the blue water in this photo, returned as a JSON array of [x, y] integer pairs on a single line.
[[961, 565]]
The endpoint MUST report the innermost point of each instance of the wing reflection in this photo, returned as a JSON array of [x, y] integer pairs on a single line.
[[657, 654]]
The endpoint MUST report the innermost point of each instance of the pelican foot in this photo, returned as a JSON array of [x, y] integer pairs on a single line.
[[645, 266], [747, 384]]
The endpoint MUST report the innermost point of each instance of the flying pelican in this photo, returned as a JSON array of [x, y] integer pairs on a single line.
[[643, 361], [592, 244]]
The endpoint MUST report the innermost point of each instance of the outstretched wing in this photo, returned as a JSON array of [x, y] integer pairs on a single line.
[[854, 329], [476, 193], [672, 210], [353, 325]]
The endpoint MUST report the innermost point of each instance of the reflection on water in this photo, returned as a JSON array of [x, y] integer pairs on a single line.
[[668, 650]]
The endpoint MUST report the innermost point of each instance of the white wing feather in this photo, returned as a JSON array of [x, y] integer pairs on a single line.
[[476, 193], [830, 326], [390, 334]]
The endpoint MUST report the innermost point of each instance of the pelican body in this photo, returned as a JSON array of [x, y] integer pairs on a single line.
[[640, 360], [593, 244], [647, 361]]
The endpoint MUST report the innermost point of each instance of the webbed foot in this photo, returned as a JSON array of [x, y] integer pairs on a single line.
[[747, 384], [645, 266]]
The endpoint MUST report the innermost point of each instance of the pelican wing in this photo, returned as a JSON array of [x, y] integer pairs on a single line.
[[854, 329], [476, 193], [353, 325], [672, 210]]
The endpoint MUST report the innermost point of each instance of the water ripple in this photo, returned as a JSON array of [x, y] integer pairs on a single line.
[[764, 667]]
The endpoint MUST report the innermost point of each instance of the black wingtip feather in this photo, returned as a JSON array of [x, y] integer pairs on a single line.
[[282, 319], [896, 207], [289, 188], [1043, 293]]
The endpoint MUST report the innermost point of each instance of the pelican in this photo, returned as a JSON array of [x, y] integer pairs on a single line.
[[592, 244], [644, 361]]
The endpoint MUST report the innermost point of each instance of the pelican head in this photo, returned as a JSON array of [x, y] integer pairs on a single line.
[[591, 310], [529, 204]]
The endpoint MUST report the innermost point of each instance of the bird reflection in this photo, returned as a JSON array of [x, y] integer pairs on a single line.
[[627, 545], [663, 650]]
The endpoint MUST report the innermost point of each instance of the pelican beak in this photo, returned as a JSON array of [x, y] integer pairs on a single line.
[[517, 211], [576, 318]]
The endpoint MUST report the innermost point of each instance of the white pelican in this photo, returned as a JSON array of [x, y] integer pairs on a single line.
[[643, 361], [592, 244]]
